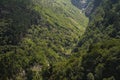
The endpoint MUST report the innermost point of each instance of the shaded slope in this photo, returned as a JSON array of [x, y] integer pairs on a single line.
[[104, 23]]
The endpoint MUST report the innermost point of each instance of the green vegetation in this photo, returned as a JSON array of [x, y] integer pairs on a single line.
[[35, 34], [46, 40], [97, 55], [101, 62]]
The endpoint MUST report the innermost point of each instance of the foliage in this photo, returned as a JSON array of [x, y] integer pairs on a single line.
[[37, 38], [36, 33]]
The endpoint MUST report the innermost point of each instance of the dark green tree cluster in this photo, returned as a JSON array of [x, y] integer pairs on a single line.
[[104, 23], [101, 62]]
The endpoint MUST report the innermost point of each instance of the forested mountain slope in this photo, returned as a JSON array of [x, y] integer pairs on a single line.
[[52, 16], [104, 23], [42, 40], [97, 56], [36, 33]]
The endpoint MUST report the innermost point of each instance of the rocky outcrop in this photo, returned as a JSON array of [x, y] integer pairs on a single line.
[[87, 6]]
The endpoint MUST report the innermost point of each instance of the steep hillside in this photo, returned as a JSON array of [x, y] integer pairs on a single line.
[[38, 40], [97, 55], [104, 23], [36, 33]]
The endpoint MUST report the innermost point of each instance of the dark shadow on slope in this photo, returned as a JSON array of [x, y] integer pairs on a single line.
[[15, 19]]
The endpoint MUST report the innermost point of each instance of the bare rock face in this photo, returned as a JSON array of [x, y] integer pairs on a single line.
[[79, 3], [85, 5]]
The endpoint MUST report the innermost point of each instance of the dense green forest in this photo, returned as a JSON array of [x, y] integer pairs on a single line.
[[53, 40]]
